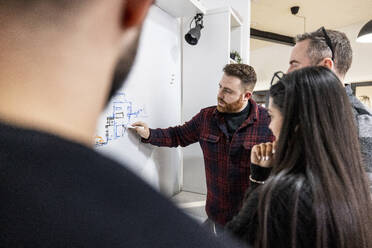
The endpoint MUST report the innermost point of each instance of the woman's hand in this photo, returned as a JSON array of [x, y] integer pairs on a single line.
[[262, 154]]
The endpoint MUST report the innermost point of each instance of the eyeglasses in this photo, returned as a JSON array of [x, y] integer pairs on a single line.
[[329, 42], [276, 77]]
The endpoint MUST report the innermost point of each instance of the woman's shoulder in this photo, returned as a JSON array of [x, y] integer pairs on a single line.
[[278, 200], [289, 187]]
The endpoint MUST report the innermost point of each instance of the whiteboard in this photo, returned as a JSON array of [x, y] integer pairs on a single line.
[[152, 93]]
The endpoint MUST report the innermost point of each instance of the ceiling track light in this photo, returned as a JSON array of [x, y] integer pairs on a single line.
[[192, 37]]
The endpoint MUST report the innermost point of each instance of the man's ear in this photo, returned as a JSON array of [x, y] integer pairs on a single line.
[[247, 95], [134, 12], [327, 62]]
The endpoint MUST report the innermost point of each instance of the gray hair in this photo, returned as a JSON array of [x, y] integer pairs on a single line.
[[318, 49]]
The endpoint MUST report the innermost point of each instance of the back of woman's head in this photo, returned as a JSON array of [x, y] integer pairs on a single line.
[[317, 121], [318, 148]]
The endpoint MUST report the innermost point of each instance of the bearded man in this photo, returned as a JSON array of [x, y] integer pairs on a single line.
[[226, 133]]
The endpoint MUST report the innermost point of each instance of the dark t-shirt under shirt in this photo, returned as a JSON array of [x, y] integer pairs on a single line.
[[235, 120]]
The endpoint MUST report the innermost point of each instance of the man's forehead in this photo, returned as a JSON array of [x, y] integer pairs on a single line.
[[230, 82], [230, 79], [299, 52], [301, 47]]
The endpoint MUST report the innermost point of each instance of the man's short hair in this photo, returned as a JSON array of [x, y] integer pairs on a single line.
[[244, 72], [318, 48]]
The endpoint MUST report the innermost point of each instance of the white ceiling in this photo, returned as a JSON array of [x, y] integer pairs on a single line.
[[275, 16]]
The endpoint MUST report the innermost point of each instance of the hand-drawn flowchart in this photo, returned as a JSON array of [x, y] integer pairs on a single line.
[[120, 114]]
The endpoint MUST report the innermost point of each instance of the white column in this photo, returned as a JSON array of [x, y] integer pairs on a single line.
[[243, 7]]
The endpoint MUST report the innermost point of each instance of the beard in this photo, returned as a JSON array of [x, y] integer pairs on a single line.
[[230, 107], [122, 68]]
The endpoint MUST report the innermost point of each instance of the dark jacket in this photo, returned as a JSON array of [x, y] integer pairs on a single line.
[[56, 193], [363, 117], [245, 224]]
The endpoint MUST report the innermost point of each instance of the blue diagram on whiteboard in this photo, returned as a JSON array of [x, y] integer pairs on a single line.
[[121, 112]]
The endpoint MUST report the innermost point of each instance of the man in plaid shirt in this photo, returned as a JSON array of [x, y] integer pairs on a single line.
[[226, 134]]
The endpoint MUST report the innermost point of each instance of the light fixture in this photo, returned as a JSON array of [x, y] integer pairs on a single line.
[[365, 34], [193, 36], [294, 11]]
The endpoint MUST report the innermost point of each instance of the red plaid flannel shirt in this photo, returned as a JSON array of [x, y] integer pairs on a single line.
[[227, 164]]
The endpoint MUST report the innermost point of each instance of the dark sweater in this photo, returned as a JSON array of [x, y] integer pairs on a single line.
[[56, 193], [245, 225], [235, 120]]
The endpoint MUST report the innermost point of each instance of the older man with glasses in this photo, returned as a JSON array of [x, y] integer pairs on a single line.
[[332, 49]]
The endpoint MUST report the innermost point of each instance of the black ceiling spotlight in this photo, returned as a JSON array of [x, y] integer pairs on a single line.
[[295, 9], [193, 36]]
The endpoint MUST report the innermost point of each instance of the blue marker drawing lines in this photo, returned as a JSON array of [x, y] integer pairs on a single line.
[[121, 112]]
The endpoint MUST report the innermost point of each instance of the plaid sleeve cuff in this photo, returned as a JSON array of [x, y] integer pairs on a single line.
[[148, 140], [260, 173]]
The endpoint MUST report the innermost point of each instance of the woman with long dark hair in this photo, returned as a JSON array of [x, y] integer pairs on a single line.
[[309, 189]]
